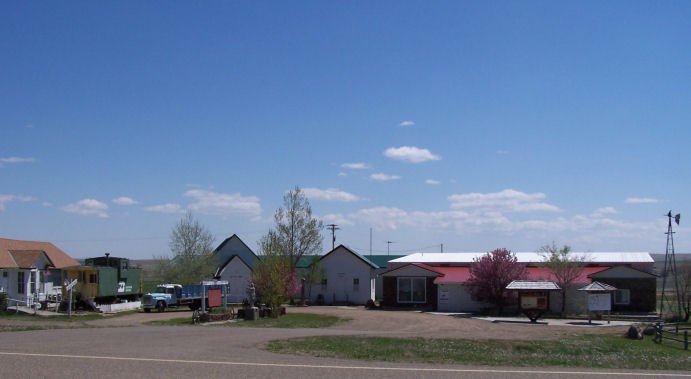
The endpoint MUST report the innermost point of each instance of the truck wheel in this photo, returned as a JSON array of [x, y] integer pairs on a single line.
[[147, 310], [160, 306]]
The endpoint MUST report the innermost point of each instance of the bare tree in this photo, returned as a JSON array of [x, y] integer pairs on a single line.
[[297, 231], [191, 247], [491, 273], [565, 267]]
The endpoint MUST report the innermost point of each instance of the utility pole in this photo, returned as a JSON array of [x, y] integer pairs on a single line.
[[333, 228], [388, 245]]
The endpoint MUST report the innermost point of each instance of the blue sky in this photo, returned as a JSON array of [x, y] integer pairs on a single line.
[[475, 125]]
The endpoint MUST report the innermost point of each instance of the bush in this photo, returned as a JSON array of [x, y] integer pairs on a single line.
[[3, 302]]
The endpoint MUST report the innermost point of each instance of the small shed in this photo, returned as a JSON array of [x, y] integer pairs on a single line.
[[533, 296]]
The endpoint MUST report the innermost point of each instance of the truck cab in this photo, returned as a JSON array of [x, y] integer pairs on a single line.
[[166, 295]]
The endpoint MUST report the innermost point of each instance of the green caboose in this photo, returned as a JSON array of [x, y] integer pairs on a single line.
[[116, 279]]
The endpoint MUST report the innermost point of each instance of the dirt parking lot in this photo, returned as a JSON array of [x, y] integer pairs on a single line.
[[432, 325], [397, 323]]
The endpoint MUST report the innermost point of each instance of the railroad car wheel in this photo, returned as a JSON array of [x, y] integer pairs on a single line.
[[196, 319], [160, 306]]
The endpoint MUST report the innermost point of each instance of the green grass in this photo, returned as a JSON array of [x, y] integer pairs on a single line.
[[584, 351], [24, 328], [178, 321], [289, 321], [12, 315]]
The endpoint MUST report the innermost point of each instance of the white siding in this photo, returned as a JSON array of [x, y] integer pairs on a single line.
[[342, 268], [238, 275], [452, 297]]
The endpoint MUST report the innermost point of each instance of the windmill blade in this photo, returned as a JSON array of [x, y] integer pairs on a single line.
[[677, 217]]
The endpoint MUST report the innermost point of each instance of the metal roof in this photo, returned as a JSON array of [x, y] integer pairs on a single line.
[[526, 257], [531, 285], [598, 287]]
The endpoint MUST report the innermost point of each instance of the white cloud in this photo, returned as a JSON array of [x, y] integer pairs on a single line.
[[4, 199], [432, 182], [16, 160], [124, 200], [489, 215], [209, 202], [329, 194], [407, 123], [355, 166], [641, 200], [383, 217], [342, 174], [410, 154], [88, 207], [506, 200], [336, 218], [165, 208], [381, 177], [604, 211]]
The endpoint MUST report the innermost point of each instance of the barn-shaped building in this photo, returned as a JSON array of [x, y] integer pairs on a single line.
[[235, 262]]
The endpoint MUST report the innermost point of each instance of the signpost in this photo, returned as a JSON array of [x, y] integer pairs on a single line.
[[599, 298], [68, 286]]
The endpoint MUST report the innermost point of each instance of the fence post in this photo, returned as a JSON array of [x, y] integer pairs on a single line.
[[686, 339], [658, 333]]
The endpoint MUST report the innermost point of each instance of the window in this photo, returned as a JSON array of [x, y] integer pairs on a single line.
[[622, 297], [324, 284], [4, 274], [20, 282], [93, 278], [412, 290], [356, 284]]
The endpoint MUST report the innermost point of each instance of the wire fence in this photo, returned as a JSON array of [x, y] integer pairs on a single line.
[[673, 332]]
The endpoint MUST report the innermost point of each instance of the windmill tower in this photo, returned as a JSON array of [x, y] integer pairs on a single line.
[[670, 273]]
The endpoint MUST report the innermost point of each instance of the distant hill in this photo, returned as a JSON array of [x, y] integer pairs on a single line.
[[660, 258]]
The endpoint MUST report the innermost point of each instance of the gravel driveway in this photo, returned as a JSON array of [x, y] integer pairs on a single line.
[[396, 323]]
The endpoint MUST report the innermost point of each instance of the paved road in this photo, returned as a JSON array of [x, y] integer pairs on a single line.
[[216, 352]]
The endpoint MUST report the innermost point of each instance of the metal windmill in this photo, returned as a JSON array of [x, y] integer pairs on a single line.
[[670, 270]]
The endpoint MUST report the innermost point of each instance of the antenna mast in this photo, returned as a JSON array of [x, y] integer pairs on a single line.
[[670, 268]]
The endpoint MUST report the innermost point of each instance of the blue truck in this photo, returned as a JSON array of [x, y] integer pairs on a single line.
[[176, 295]]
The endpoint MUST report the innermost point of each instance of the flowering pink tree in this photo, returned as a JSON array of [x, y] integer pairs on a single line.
[[491, 273]]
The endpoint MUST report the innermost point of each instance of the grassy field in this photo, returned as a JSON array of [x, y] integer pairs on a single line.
[[296, 320], [31, 322], [586, 351]]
